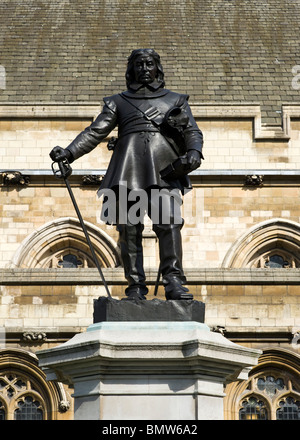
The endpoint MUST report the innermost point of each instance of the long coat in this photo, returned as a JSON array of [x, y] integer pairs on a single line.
[[142, 151]]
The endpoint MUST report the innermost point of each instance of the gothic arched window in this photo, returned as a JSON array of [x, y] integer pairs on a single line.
[[276, 259], [24, 392], [270, 244], [62, 243], [272, 391], [253, 409], [22, 398], [289, 409], [29, 409]]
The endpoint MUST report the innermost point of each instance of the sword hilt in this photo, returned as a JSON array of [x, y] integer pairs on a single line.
[[64, 169]]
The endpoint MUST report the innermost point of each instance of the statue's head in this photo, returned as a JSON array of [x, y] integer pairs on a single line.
[[152, 67]]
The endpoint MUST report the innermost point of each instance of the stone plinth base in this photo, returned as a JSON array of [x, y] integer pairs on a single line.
[[109, 309], [147, 370]]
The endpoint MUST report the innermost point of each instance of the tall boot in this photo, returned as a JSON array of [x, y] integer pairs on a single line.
[[130, 241], [170, 252]]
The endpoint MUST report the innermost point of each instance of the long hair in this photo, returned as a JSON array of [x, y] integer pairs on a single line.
[[136, 53]]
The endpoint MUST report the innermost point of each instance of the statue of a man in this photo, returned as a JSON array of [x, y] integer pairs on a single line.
[[155, 129]]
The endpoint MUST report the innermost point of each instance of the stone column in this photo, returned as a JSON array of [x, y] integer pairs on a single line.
[[147, 370]]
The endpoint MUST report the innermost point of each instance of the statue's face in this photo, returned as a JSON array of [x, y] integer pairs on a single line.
[[145, 69]]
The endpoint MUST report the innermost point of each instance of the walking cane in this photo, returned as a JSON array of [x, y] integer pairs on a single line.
[[64, 172]]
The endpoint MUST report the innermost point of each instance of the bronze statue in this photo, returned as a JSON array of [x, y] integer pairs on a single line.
[[158, 144]]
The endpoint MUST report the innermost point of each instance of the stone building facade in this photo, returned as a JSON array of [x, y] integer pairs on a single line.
[[242, 220]]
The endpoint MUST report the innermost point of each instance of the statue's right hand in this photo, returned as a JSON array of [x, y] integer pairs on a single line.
[[58, 154]]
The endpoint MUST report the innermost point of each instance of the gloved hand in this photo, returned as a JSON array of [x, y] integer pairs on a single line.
[[193, 159], [58, 154]]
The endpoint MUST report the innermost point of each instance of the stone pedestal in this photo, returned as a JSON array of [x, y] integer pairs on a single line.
[[147, 370], [109, 309]]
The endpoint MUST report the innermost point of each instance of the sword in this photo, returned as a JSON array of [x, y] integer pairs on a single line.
[[157, 281], [63, 172]]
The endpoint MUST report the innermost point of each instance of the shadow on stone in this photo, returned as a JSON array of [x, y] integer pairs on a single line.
[[109, 309]]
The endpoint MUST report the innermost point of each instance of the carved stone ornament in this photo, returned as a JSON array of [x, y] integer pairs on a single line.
[[219, 329], [34, 336], [14, 178], [91, 179], [296, 338], [64, 406], [254, 180]]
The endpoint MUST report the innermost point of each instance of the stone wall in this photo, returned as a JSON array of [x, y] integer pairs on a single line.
[[220, 209], [243, 208]]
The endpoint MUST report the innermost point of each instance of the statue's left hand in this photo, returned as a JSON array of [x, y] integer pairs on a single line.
[[194, 159]]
